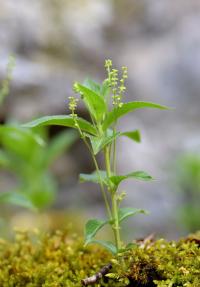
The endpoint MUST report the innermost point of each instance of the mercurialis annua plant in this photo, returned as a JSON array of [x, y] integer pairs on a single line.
[[105, 105]]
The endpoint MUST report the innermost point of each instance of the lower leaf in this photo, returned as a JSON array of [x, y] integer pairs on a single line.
[[106, 244], [16, 199], [125, 212], [92, 227]]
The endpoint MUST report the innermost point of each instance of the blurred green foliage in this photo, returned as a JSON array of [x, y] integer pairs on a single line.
[[25, 154], [188, 179], [5, 87]]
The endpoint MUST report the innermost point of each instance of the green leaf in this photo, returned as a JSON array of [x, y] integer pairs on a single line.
[[105, 89], [134, 135], [20, 141], [127, 108], [92, 85], [58, 145], [94, 102], [106, 244], [98, 143], [16, 199], [141, 175], [62, 120], [17, 133], [125, 212], [41, 191], [95, 177], [92, 227], [4, 159]]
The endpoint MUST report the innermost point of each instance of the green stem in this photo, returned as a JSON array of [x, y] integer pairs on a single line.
[[97, 169], [115, 226], [114, 158], [101, 183], [114, 154]]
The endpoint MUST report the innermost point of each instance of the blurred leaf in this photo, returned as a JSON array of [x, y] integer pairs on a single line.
[[66, 121], [16, 199], [4, 90], [127, 108], [42, 190], [60, 143], [19, 141], [4, 159]]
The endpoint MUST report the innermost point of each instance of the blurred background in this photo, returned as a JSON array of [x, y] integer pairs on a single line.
[[56, 42]]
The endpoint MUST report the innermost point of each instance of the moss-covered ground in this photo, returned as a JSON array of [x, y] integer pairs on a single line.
[[59, 260]]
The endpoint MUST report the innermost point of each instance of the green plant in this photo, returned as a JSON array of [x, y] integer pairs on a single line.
[[4, 91], [24, 153], [105, 107], [188, 183]]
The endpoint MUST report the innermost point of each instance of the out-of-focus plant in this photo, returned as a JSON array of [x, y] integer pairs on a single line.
[[105, 106], [188, 181], [25, 154], [5, 87]]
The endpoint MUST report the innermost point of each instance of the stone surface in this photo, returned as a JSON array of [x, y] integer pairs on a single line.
[[57, 42]]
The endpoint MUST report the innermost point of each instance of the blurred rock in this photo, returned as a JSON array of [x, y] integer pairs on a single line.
[[57, 42]]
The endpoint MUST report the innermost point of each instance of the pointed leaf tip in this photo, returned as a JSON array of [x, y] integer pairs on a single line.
[[128, 211], [134, 135], [141, 175], [127, 108], [62, 120]]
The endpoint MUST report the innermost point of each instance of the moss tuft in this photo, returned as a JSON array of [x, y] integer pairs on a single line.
[[59, 260]]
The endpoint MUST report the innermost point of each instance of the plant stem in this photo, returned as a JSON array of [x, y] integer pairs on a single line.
[[114, 154], [101, 183], [115, 225], [97, 169]]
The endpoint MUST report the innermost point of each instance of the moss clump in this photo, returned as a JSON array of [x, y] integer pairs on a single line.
[[163, 264], [52, 260], [59, 260]]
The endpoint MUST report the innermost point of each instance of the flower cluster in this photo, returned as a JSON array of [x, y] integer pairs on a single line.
[[117, 86], [72, 106]]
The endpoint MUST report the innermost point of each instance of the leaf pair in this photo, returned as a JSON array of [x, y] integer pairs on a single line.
[[101, 176], [94, 225], [99, 143], [86, 126]]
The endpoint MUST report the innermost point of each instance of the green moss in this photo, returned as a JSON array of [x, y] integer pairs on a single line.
[[59, 260]]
